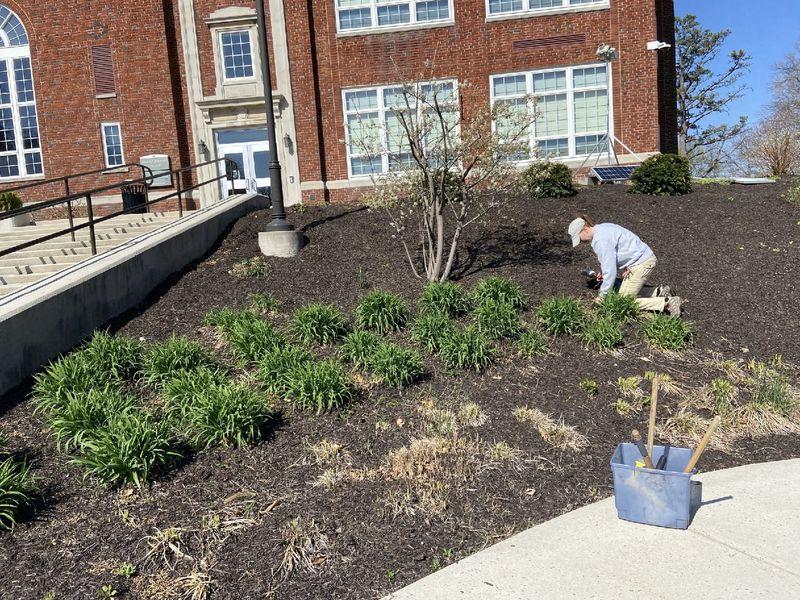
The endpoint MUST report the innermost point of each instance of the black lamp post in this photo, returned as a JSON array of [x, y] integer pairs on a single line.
[[279, 222]]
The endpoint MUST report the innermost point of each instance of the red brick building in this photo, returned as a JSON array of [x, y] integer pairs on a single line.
[[90, 85]]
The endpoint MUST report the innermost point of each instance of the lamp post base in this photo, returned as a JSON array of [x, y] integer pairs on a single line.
[[283, 244]]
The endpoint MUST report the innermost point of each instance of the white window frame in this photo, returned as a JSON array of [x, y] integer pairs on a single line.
[[382, 112], [570, 91], [249, 33], [375, 28], [551, 10], [118, 125]]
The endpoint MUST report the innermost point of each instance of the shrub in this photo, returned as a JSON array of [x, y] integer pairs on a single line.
[[251, 341], [357, 346], [227, 414], [186, 386], [546, 179], [668, 333], [264, 303], [431, 329], [131, 448], [500, 289], [250, 267], [321, 386], [71, 375], [319, 323], [382, 312], [17, 490], [226, 318], [662, 175], [562, 315], [444, 297], [119, 356], [163, 361], [497, 320], [83, 413], [467, 348], [453, 187], [275, 368], [395, 365], [532, 343], [618, 308], [9, 201], [602, 333]]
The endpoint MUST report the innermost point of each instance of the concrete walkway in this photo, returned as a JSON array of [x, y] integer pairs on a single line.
[[744, 543]]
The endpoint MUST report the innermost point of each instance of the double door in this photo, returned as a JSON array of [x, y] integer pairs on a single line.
[[249, 149]]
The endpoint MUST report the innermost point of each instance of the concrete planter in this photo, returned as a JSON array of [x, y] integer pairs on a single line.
[[18, 221]]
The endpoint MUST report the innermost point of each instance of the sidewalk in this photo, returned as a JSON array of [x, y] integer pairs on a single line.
[[743, 543]]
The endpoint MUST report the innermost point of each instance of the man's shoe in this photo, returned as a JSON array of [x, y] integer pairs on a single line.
[[662, 291], [674, 306]]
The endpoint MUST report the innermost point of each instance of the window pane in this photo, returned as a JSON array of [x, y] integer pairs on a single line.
[[113, 140], [553, 116], [589, 77], [364, 132], [15, 32], [545, 3], [433, 10], [9, 167], [443, 92], [30, 127], [5, 90], [554, 148], [503, 6], [361, 100], [237, 54], [512, 125], [366, 166], [261, 160], [33, 163], [238, 158], [396, 137], [587, 144], [24, 79], [549, 82], [355, 19], [7, 140], [399, 97], [513, 85], [590, 111], [397, 14], [400, 161], [577, 2]]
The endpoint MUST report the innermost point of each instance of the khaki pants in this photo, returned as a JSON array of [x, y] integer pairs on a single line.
[[635, 285]]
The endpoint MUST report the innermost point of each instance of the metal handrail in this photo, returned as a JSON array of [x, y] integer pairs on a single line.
[[230, 169]]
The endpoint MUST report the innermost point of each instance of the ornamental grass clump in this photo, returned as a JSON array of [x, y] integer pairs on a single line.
[[83, 413], [225, 319], [186, 386], [395, 366], [275, 368], [358, 346], [771, 389], [500, 289], [319, 386], [618, 308], [467, 348], [164, 360], [444, 297], [382, 312], [319, 324], [133, 447], [251, 341], [602, 333], [119, 356], [431, 329], [532, 343], [72, 375], [17, 490], [497, 319], [562, 315], [668, 333]]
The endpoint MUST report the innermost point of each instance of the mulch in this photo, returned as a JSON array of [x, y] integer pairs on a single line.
[[732, 251]]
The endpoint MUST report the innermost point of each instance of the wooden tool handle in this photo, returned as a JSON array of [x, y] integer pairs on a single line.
[[651, 426], [703, 443], [637, 438]]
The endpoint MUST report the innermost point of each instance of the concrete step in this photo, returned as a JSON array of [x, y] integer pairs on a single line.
[[34, 261], [12, 239], [54, 255], [5, 290]]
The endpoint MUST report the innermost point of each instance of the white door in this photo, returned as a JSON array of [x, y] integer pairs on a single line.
[[249, 149]]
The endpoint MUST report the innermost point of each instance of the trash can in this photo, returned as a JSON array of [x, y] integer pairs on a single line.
[[665, 498], [132, 196]]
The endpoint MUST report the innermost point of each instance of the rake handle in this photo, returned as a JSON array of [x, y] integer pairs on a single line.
[[637, 438], [703, 443], [651, 426]]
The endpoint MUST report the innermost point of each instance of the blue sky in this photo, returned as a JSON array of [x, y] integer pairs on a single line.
[[767, 30]]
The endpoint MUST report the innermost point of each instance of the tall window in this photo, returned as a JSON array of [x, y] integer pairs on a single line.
[[237, 54], [353, 15], [112, 144], [20, 146], [502, 7], [572, 107]]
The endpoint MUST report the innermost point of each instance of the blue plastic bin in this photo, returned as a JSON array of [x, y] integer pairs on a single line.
[[667, 498]]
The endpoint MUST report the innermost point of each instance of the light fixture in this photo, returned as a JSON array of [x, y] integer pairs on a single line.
[[202, 148], [606, 53], [287, 141], [658, 45]]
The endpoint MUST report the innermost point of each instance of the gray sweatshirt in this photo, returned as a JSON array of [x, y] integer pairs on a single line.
[[616, 249]]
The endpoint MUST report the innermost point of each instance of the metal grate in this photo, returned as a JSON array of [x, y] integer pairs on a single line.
[[103, 67], [612, 173], [549, 42]]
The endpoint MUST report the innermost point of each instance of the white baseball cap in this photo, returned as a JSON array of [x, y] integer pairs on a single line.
[[574, 231]]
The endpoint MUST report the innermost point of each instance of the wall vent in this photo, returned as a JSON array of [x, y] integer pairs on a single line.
[[103, 68], [549, 42]]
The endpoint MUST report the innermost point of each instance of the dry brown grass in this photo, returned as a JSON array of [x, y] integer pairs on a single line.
[[326, 452], [305, 547], [166, 546], [556, 433]]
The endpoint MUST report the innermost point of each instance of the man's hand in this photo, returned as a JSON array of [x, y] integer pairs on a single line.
[[599, 277], [626, 273]]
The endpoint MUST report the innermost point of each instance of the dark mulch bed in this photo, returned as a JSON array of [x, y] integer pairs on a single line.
[[732, 251]]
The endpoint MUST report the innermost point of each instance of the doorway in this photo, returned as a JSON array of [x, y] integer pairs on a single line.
[[249, 149]]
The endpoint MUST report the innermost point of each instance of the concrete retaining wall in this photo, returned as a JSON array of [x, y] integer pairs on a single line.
[[50, 317]]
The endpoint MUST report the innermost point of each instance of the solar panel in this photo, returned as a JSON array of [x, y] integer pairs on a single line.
[[612, 173]]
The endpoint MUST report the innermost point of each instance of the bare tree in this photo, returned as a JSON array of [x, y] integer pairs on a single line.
[[435, 173]]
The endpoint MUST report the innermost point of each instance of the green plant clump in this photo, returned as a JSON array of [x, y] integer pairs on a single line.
[[250, 267], [82, 414], [497, 320], [319, 386], [186, 386], [500, 289], [319, 323], [69, 376], [662, 175], [395, 366], [722, 392], [275, 368], [17, 491], [264, 303], [771, 389], [602, 333], [668, 333], [562, 315], [164, 361], [119, 356], [618, 308], [225, 319], [467, 348], [532, 343], [444, 297], [358, 346], [382, 312], [589, 386], [431, 329], [547, 179], [252, 341], [9, 201]]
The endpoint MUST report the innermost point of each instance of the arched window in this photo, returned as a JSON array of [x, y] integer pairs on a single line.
[[20, 147]]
